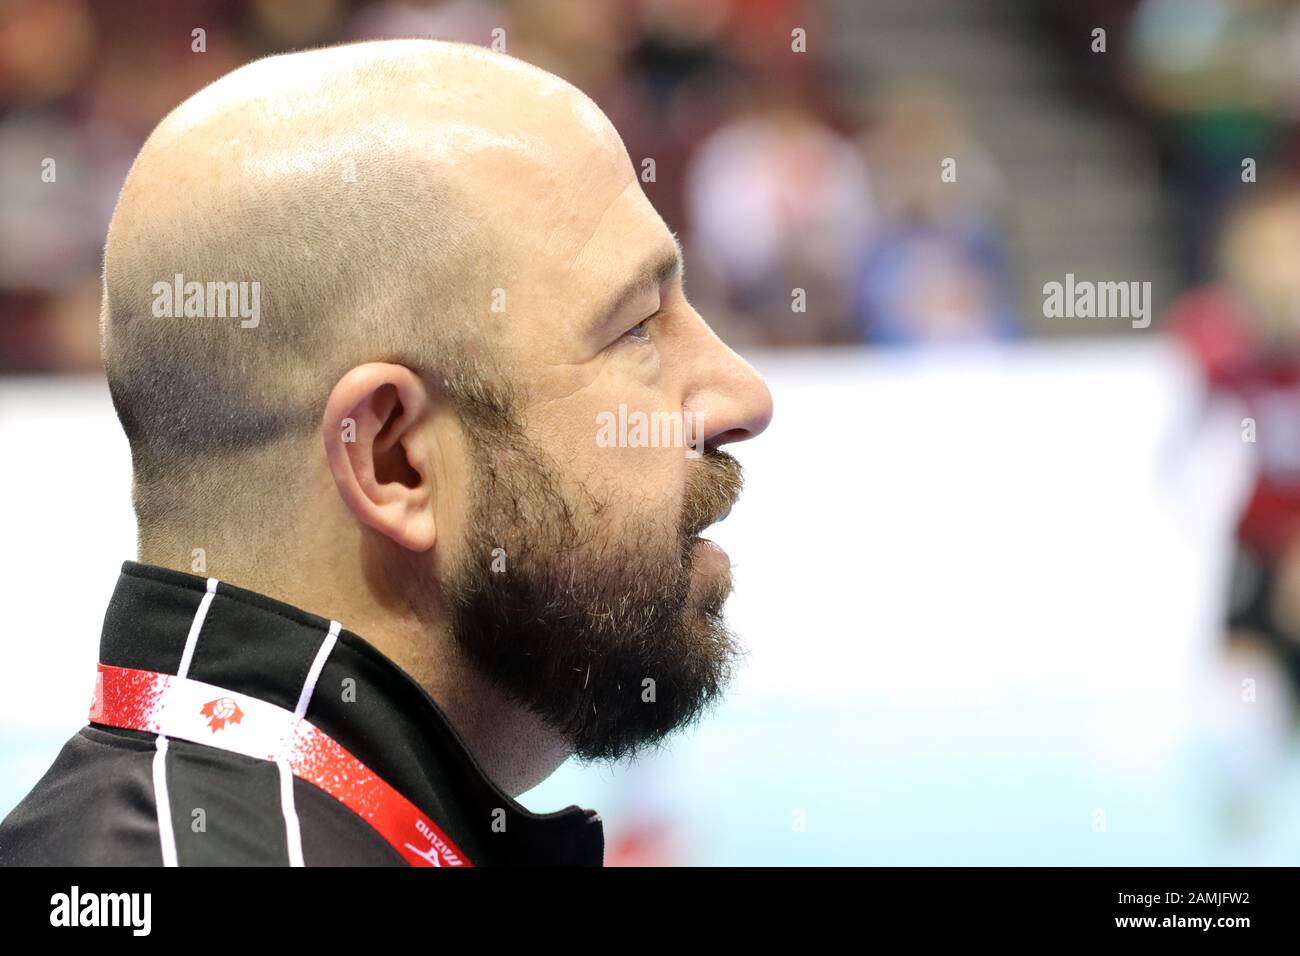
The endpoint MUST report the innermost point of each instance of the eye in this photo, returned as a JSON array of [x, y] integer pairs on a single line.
[[641, 329]]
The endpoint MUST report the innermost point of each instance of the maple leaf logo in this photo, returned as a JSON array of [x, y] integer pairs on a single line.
[[220, 712]]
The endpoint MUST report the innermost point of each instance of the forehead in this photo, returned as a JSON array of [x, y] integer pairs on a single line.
[[616, 246], [576, 220]]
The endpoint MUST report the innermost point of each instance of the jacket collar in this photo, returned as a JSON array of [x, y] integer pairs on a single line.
[[255, 645]]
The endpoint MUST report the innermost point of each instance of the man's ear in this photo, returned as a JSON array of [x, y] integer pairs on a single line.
[[379, 454]]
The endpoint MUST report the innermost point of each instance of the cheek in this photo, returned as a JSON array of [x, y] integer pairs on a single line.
[[643, 471], [621, 441], [645, 481]]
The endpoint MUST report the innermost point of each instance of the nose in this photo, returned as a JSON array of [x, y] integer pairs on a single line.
[[731, 400]]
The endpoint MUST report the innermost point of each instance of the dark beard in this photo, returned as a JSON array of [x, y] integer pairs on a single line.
[[597, 632]]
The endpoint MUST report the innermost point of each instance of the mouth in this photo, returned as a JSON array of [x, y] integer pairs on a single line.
[[708, 556]]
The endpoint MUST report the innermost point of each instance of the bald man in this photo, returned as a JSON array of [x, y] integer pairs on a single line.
[[424, 434]]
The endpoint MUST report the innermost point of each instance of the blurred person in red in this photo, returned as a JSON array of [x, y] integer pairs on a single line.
[[1244, 331]]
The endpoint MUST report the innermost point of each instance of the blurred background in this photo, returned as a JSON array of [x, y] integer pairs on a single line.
[[1017, 588]]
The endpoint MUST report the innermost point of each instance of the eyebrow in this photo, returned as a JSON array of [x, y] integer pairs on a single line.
[[661, 267]]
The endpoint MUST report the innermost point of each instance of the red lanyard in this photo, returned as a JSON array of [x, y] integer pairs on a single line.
[[207, 714]]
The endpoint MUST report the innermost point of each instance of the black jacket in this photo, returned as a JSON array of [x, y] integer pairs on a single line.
[[99, 802]]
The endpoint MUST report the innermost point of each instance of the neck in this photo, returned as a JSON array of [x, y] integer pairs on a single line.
[[511, 744]]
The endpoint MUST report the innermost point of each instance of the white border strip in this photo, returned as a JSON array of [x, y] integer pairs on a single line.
[[161, 796], [313, 675], [292, 830], [166, 835], [192, 639]]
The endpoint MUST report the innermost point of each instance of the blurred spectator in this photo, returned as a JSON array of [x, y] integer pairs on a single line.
[[1244, 330], [934, 283], [470, 21], [936, 272], [1207, 69], [80, 110], [779, 201]]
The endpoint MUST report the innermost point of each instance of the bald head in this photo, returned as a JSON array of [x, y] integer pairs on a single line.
[[309, 213]]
